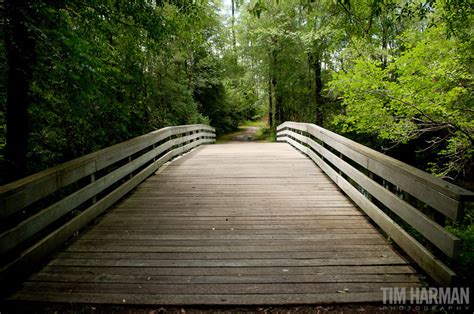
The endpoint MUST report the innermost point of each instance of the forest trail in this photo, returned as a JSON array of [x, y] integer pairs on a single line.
[[250, 131], [245, 134]]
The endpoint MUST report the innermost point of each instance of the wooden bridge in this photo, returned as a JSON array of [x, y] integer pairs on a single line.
[[162, 219]]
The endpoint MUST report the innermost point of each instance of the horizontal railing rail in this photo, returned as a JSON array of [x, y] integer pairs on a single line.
[[388, 191], [42, 211]]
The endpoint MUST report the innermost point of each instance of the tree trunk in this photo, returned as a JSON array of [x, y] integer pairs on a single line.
[[318, 87], [384, 46], [20, 47], [234, 42], [273, 82], [278, 107], [270, 104], [310, 78]]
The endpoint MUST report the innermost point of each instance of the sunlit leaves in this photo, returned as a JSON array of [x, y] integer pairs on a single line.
[[426, 90]]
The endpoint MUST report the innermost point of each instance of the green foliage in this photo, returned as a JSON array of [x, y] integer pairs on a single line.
[[464, 230], [284, 43], [426, 90], [108, 71]]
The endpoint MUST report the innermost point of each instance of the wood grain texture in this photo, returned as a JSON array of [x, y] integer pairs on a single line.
[[439, 194], [435, 233], [45, 217], [20, 266], [424, 258], [239, 224], [19, 194]]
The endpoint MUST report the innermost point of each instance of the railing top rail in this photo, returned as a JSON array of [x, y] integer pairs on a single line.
[[435, 183], [35, 221], [50, 180], [337, 156]]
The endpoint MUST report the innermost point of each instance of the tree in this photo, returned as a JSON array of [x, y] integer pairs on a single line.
[[292, 42], [424, 93], [84, 75], [20, 51]]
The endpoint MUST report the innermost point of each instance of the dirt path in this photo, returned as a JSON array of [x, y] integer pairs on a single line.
[[245, 134]]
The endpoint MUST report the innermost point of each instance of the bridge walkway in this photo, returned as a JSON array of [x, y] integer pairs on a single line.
[[240, 224]]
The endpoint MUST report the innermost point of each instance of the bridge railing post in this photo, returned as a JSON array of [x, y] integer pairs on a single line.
[[58, 202], [378, 183]]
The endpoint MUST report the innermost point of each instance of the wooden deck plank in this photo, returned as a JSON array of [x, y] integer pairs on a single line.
[[236, 279], [232, 263], [231, 243], [220, 255], [216, 231], [240, 224], [172, 226], [199, 299], [201, 288], [91, 247], [384, 270]]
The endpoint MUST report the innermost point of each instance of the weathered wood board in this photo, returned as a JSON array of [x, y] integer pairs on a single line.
[[240, 224]]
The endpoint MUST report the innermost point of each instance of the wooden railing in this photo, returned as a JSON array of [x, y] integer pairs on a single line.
[[390, 192], [42, 211]]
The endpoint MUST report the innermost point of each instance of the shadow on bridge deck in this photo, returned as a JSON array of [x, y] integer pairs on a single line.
[[240, 224]]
